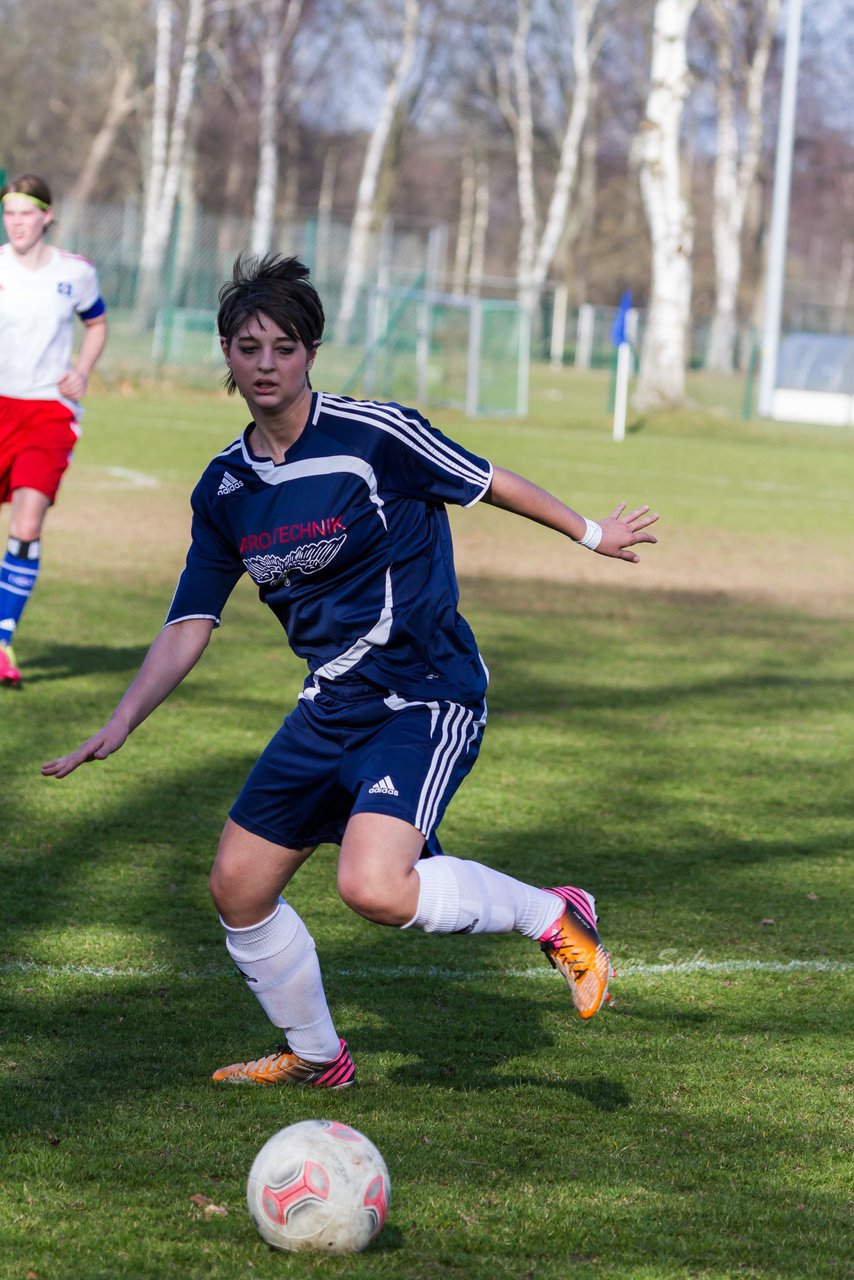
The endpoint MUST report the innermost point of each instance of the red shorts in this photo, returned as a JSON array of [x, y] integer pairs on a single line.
[[36, 441]]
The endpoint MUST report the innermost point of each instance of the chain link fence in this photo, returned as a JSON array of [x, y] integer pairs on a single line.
[[404, 341], [409, 339]]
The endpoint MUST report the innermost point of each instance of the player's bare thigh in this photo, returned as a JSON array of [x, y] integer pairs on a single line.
[[27, 512], [249, 873], [376, 875]]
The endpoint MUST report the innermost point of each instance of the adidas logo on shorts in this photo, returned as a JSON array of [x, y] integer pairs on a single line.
[[228, 484], [385, 787]]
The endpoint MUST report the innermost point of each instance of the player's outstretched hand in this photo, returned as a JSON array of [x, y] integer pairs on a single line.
[[98, 747], [620, 532]]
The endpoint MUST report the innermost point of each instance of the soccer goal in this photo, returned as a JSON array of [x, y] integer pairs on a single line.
[[815, 379], [441, 349], [185, 336]]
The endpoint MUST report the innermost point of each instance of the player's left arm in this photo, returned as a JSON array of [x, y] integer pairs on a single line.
[[619, 531], [73, 383]]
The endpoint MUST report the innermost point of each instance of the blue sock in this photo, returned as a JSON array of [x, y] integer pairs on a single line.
[[19, 569]]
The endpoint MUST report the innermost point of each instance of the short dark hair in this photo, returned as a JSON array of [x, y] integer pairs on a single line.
[[27, 184], [272, 286]]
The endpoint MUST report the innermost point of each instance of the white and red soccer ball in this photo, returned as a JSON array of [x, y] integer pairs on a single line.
[[318, 1185]]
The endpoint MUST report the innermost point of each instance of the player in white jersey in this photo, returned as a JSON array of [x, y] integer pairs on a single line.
[[336, 508], [42, 289]]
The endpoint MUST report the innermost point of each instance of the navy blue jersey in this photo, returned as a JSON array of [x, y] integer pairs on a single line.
[[349, 543]]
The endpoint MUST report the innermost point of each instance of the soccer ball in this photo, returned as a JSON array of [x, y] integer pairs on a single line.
[[318, 1185]]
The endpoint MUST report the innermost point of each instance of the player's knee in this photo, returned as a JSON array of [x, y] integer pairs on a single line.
[[27, 529], [238, 905], [353, 890], [227, 887], [219, 888], [368, 894]]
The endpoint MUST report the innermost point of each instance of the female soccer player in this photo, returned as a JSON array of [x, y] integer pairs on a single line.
[[336, 510], [41, 291]]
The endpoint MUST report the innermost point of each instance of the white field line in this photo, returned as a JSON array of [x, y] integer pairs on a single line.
[[134, 479], [629, 969], [116, 478]]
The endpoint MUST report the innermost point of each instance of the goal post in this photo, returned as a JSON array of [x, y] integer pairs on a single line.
[[458, 351]]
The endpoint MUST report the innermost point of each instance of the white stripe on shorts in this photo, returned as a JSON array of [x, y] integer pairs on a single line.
[[453, 743]]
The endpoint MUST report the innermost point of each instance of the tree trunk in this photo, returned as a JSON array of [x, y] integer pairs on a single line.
[[661, 380], [524, 132], [734, 178], [364, 216], [582, 92], [726, 222], [227, 231], [536, 250], [579, 226], [465, 224], [124, 99], [480, 227], [186, 232], [268, 121], [159, 145], [325, 206], [160, 205], [280, 21]]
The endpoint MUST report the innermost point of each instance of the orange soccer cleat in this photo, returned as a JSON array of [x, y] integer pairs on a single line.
[[284, 1067], [573, 946]]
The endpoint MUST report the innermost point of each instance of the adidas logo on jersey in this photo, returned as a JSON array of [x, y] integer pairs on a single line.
[[385, 787], [228, 484]]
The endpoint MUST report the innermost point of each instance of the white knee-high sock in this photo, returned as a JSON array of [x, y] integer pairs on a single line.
[[277, 958], [466, 897]]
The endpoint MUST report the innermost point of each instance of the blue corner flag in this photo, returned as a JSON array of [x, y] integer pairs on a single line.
[[618, 327]]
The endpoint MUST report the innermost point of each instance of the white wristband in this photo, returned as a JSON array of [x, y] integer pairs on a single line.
[[592, 535]]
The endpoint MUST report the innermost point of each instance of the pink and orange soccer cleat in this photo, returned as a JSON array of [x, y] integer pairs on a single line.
[[9, 673], [284, 1067], [573, 946]]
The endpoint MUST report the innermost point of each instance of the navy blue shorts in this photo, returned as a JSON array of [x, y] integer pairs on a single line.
[[353, 748]]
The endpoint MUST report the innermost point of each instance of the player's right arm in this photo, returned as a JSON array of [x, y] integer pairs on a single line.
[[174, 653]]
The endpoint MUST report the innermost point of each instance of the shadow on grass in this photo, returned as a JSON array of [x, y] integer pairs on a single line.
[[129, 1059], [127, 852], [602, 1093], [143, 848], [60, 661]]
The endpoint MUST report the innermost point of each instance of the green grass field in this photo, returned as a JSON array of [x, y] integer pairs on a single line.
[[676, 736]]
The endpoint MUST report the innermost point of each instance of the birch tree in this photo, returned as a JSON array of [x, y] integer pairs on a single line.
[[325, 205], [125, 98], [281, 18], [364, 214], [219, 45], [480, 225], [579, 226], [470, 248], [736, 157], [168, 141], [661, 378], [539, 240], [465, 224]]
